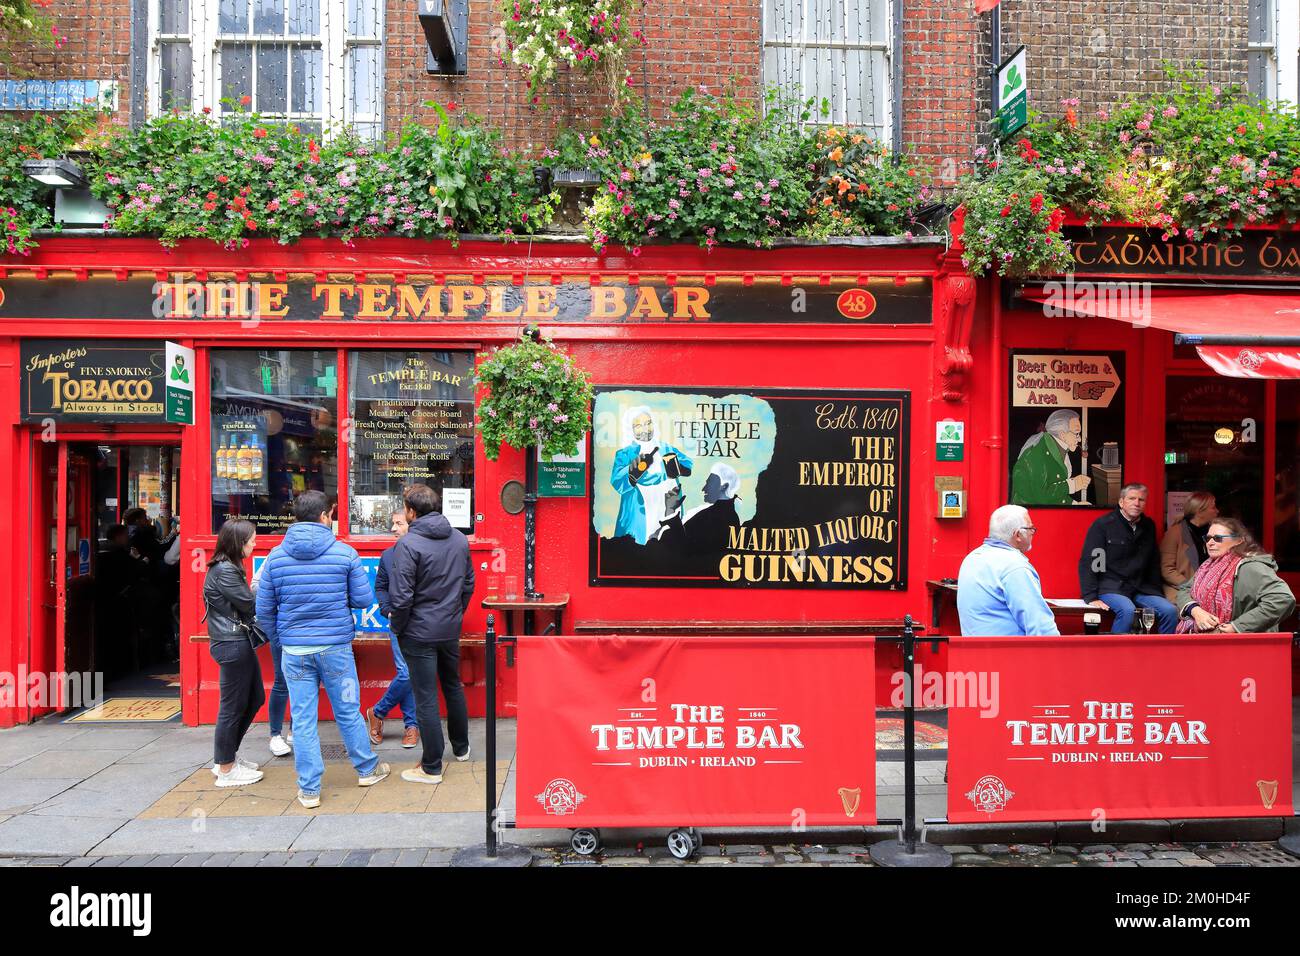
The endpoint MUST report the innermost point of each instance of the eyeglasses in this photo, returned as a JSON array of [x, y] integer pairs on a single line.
[[1221, 537], [1030, 528]]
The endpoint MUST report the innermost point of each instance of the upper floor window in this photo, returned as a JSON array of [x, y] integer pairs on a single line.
[[832, 52], [1273, 50], [314, 63]]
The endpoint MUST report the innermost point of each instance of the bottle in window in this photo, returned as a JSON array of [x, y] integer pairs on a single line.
[[244, 462]]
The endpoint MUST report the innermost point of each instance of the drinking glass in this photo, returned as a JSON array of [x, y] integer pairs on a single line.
[[1148, 619]]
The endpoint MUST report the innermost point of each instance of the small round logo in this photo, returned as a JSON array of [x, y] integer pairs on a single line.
[[1250, 359], [560, 797], [856, 303], [990, 794]]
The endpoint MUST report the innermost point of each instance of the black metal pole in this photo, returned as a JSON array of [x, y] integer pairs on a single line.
[[530, 531], [909, 735], [491, 645]]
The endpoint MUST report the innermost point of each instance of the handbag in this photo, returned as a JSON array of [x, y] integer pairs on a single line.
[[253, 631]]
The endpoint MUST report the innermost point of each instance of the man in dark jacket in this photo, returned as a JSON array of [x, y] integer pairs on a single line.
[[1120, 564], [429, 587]]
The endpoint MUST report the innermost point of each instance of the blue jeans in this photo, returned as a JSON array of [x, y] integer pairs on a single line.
[[336, 668], [1166, 615], [279, 704], [399, 693]]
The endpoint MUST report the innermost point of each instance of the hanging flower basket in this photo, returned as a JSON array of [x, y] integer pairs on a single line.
[[535, 398]]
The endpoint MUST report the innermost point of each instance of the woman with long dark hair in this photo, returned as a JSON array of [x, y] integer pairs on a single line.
[[1236, 589], [230, 608]]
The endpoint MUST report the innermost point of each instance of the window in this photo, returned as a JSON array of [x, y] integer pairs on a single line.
[[412, 417], [1286, 508], [833, 51], [273, 432], [314, 63], [1273, 49]]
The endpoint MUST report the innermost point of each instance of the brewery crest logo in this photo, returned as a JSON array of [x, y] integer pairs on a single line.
[[560, 797], [990, 794], [1250, 359]]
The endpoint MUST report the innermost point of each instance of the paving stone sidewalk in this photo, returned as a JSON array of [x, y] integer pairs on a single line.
[[733, 855]]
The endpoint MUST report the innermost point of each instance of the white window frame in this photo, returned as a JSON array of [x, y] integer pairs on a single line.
[[1282, 51], [205, 81], [885, 46]]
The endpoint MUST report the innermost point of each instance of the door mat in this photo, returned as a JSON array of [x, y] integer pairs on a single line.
[[118, 709]]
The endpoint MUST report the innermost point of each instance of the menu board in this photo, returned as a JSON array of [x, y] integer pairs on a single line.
[[412, 422]]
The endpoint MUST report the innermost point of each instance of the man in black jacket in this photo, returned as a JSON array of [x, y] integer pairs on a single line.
[[430, 583], [1120, 564]]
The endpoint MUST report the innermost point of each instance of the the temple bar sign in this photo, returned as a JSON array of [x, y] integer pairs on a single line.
[[887, 300], [1255, 253]]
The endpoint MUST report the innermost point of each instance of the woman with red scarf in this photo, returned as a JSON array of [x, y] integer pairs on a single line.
[[1236, 589]]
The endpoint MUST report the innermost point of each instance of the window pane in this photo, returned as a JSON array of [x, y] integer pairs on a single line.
[[1205, 449], [272, 78], [233, 16], [364, 80], [413, 422], [306, 80], [304, 17], [173, 16], [174, 75], [236, 71], [1286, 512], [268, 17], [273, 432], [363, 18]]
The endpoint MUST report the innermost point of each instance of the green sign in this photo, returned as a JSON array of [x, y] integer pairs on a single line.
[[564, 476], [179, 388], [1012, 95], [949, 440]]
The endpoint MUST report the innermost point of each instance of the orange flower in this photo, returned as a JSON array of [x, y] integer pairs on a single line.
[[844, 186], [837, 154], [827, 201]]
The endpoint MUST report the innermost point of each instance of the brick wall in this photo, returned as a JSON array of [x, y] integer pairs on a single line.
[[98, 48], [1096, 50], [1101, 51]]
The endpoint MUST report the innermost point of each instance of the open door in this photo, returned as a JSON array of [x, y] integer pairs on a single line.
[[74, 568]]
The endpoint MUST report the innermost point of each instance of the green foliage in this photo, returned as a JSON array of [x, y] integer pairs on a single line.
[[535, 398], [859, 190], [1009, 226], [723, 170], [594, 36]]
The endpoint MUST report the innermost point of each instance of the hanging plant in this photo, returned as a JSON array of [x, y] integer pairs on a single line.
[[544, 36], [24, 203], [536, 398]]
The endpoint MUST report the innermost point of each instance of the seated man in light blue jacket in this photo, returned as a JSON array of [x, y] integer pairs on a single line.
[[309, 585], [998, 590]]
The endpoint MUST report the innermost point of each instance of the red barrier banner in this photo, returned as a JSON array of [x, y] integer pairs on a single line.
[[696, 731], [1119, 728]]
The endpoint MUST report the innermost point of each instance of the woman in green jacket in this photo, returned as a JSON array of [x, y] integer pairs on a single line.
[[1236, 589]]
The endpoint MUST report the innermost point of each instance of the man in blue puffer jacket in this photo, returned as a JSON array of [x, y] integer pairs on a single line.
[[309, 585]]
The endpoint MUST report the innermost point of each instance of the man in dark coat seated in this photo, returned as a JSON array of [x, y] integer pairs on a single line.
[[706, 530]]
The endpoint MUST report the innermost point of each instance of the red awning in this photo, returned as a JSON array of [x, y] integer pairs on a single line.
[[1241, 334]]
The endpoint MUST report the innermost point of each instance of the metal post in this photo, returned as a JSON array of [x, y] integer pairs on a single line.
[[489, 853], [490, 643], [907, 851]]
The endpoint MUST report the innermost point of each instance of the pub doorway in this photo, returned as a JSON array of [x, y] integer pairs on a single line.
[[108, 576]]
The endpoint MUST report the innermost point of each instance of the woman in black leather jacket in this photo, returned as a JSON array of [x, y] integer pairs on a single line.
[[229, 601]]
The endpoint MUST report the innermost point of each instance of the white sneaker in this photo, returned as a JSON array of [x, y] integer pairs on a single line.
[[239, 776], [239, 762], [280, 746], [380, 772], [309, 800], [461, 757]]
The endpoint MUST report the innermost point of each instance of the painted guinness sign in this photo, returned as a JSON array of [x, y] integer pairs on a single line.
[[92, 381]]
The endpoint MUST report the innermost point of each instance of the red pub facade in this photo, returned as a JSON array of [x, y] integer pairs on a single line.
[[858, 407]]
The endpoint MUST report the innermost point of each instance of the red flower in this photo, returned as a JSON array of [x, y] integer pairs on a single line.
[[259, 133], [245, 100], [209, 206], [211, 195], [1006, 211], [223, 179], [1071, 117], [451, 106], [299, 194], [1241, 128], [273, 205], [1056, 220], [207, 109], [1036, 204], [250, 225]]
